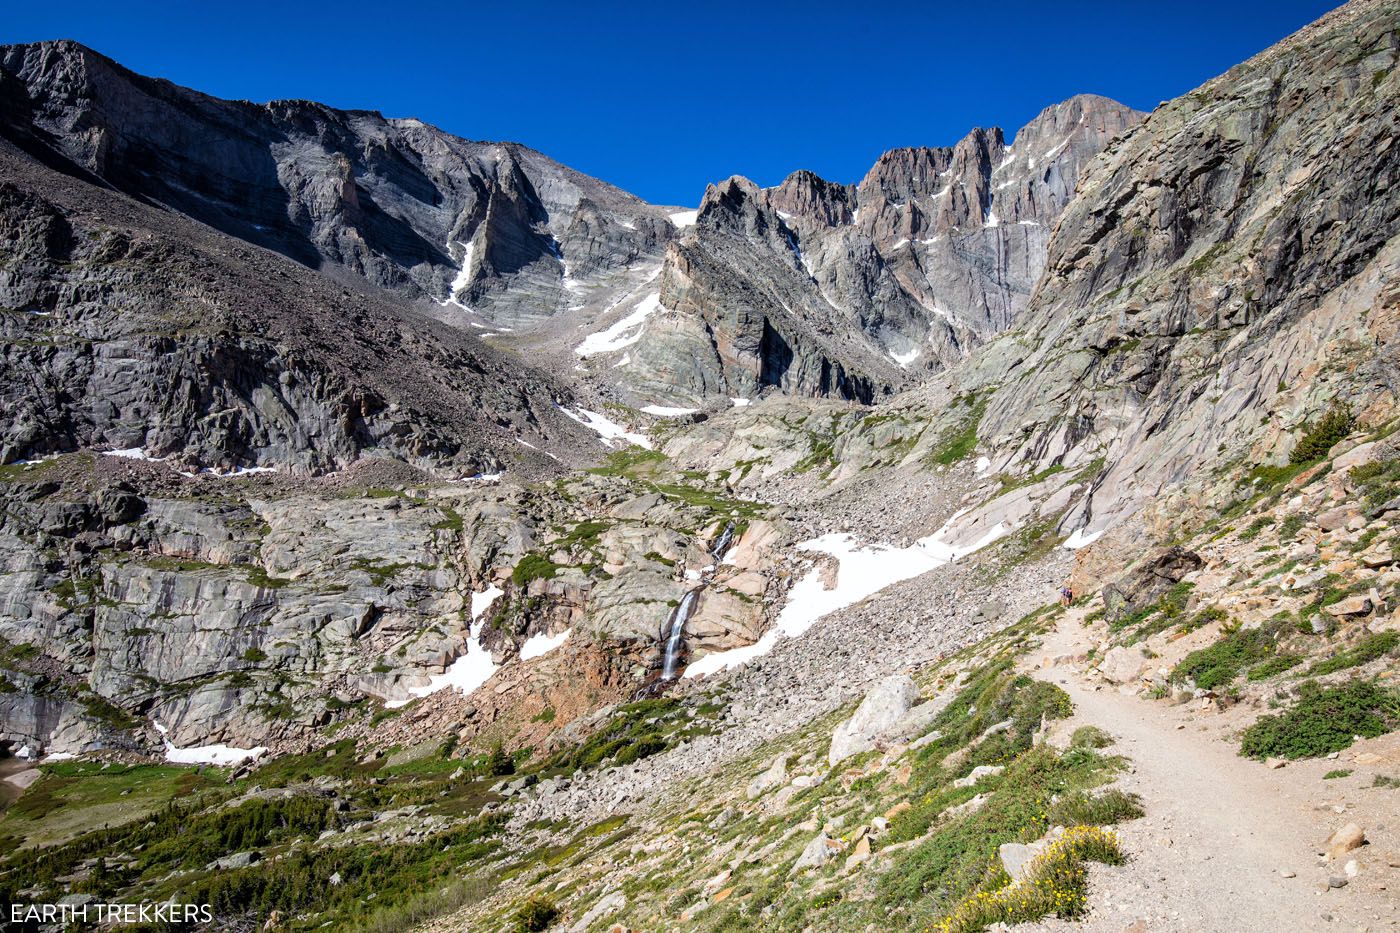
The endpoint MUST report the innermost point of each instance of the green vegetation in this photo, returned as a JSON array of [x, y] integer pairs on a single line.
[[1255, 527], [1218, 664], [636, 731], [1337, 773], [1288, 528], [1377, 482], [1365, 651], [533, 566], [535, 914], [1056, 883], [1274, 666], [1090, 737], [1081, 807], [631, 462], [1161, 615], [1320, 436], [451, 521], [960, 440], [1324, 720]]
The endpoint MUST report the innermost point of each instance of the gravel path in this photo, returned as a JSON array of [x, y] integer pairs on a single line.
[[1221, 831]]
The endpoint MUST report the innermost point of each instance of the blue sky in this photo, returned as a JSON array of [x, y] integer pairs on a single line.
[[662, 98]]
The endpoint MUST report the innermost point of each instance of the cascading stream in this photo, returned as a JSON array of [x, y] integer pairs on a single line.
[[676, 639], [675, 633]]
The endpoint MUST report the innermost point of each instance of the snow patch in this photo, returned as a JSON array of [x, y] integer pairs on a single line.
[[741, 402], [1079, 539], [904, 359], [863, 570], [622, 333], [206, 754], [683, 219], [133, 453], [606, 428], [472, 669], [537, 645], [664, 411], [1056, 151], [464, 275]]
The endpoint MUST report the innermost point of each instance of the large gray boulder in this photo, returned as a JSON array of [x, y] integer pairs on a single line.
[[881, 710]]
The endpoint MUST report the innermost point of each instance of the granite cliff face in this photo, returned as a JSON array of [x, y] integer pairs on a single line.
[[132, 328], [1226, 273], [853, 291], [493, 227]]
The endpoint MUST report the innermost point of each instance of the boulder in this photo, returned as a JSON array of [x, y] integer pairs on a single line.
[[883, 707], [1016, 857], [818, 852], [773, 775], [860, 854], [1357, 605], [1122, 665], [1348, 837], [607, 904], [977, 774], [1146, 584], [1334, 519]]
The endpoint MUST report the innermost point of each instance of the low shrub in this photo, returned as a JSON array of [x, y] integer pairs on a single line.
[[1324, 721], [1090, 737], [1218, 664], [535, 914], [1081, 808], [1318, 437], [1273, 666], [1055, 884], [1363, 652]]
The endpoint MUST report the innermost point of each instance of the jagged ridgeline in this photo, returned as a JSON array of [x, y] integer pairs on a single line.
[[399, 531]]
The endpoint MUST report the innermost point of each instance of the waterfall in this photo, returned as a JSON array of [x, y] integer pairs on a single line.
[[676, 638], [675, 633]]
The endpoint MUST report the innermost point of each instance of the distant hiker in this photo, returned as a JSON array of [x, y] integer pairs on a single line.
[[1066, 596]]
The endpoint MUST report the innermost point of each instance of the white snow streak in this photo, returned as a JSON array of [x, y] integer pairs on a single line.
[[206, 754], [864, 569], [1079, 539], [664, 411], [622, 333], [606, 428], [537, 645], [472, 669]]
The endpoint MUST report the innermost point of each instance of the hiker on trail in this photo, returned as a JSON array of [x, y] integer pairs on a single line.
[[1066, 595]]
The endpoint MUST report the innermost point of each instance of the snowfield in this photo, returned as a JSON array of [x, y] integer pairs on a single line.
[[606, 428], [865, 569], [624, 332], [472, 669]]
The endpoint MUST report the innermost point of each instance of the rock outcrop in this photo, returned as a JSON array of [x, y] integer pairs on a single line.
[[851, 291], [494, 228], [132, 328]]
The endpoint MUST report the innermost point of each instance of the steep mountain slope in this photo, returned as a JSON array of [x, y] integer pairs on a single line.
[[494, 227], [1191, 421], [131, 327], [818, 288], [1227, 273]]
